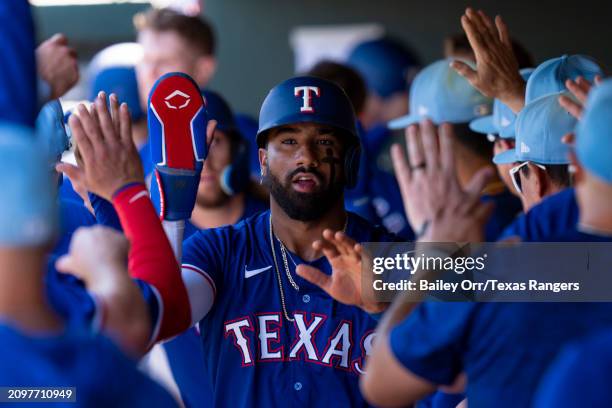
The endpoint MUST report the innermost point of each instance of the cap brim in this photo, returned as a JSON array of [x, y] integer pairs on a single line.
[[403, 121], [483, 125], [507, 157]]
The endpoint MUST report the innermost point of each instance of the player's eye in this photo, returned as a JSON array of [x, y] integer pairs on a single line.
[[325, 142], [289, 141]]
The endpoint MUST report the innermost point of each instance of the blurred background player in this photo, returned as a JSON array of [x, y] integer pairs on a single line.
[[443, 96], [357, 199], [388, 67]]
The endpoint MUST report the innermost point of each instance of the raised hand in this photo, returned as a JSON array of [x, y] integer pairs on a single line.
[[108, 159], [345, 282], [497, 71], [580, 88], [57, 65], [431, 189]]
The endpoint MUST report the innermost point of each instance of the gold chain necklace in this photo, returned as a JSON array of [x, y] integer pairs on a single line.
[[286, 265]]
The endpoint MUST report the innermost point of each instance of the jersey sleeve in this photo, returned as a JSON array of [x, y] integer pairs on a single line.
[[151, 258], [202, 272], [430, 342], [105, 212]]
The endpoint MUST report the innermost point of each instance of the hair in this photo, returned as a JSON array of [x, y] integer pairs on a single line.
[[346, 78], [196, 31], [476, 143], [559, 174], [459, 44]]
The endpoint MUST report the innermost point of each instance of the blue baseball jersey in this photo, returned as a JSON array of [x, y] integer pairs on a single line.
[[185, 352], [507, 207], [18, 95], [255, 356], [66, 293], [580, 376], [504, 348], [101, 374], [555, 215]]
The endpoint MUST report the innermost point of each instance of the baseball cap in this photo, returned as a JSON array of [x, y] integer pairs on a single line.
[[113, 70], [539, 129], [550, 76], [442, 95], [28, 212], [384, 64], [501, 122], [593, 133]]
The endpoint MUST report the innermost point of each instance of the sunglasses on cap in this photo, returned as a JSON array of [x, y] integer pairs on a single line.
[[516, 177]]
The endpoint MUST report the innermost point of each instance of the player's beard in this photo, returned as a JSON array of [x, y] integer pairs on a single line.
[[303, 206]]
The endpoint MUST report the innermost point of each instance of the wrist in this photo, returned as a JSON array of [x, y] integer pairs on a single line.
[[515, 98]]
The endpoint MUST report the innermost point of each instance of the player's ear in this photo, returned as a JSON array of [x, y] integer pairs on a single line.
[[576, 170], [263, 161]]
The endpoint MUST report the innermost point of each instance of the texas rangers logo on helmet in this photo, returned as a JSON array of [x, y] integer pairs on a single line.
[[306, 92]]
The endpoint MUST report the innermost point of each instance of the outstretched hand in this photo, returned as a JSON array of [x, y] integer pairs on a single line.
[[431, 189], [497, 70], [345, 282], [108, 159], [580, 89]]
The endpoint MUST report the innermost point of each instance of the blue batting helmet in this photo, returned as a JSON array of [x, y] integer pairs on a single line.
[[308, 99]]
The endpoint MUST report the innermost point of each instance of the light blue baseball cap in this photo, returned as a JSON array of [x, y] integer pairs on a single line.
[[440, 94], [594, 133], [540, 126], [550, 76], [28, 212], [501, 122]]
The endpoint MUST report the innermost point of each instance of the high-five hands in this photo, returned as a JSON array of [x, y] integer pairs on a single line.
[[108, 157], [434, 200], [497, 70], [345, 282]]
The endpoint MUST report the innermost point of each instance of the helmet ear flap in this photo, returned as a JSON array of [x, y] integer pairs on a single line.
[[351, 164]]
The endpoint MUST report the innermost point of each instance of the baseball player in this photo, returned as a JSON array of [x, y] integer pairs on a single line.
[[274, 337]]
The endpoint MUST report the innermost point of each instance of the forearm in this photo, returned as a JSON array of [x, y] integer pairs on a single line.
[[151, 258], [124, 314]]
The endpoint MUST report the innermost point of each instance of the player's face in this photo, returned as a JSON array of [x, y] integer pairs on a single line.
[[501, 145], [210, 193], [163, 52], [303, 169]]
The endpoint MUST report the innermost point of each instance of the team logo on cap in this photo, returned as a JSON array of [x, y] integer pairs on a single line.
[[175, 98], [524, 148], [306, 93]]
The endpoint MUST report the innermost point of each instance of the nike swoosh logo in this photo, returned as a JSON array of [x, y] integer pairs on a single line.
[[253, 272]]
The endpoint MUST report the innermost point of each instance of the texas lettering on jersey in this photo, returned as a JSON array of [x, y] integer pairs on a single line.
[[258, 339]]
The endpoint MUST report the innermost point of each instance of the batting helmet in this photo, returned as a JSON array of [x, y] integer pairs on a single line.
[[308, 99]]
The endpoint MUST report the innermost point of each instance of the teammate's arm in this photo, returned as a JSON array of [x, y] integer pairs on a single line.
[[112, 170], [98, 256]]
